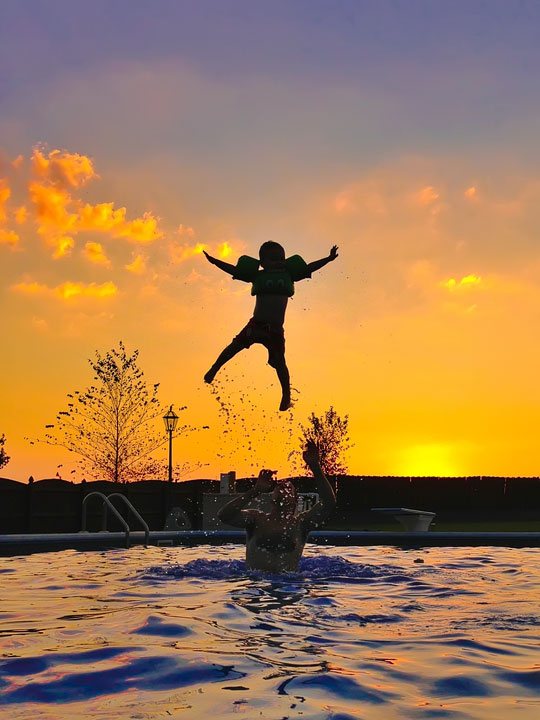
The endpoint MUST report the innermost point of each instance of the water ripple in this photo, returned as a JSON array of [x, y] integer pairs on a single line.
[[356, 633]]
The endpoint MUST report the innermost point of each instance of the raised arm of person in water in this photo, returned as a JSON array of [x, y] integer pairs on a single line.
[[226, 267], [318, 264], [327, 500], [234, 512]]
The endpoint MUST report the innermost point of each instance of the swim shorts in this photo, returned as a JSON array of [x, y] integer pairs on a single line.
[[266, 334]]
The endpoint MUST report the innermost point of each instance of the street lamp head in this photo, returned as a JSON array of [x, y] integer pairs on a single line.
[[171, 420]]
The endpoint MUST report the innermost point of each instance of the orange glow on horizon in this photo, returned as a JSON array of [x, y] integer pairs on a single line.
[[429, 460]]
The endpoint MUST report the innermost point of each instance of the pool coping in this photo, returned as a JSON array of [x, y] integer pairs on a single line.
[[25, 544]]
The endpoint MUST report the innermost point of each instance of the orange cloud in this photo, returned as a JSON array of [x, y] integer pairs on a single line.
[[363, 197], [467, 281], [68, 290], [180, 254], [53, 205], [21, 215], [343, 202], [93, 251], [72, 289], [138, 266], [62, 245], [189, 231], [40, 324], [224, 250], [63, 168], [103, 217], [471, 193], [51, 209], [53, 217], [426, 196], [30, 288], [141, 230], [421, 273], [17, 162], [61, 215], [8, 237], [194, 277], [5, 192], [424, 275]]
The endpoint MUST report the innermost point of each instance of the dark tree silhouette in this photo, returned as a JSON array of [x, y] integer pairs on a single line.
[[111, 424], [330, 433], [4, 458]]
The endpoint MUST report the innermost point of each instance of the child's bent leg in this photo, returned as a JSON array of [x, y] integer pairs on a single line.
[[230, 351]]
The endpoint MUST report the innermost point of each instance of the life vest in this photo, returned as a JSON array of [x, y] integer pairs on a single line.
[[271, 282]]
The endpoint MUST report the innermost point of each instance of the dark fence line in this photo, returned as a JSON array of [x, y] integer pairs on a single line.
[[49, 506], [440, 494], [54, 505]]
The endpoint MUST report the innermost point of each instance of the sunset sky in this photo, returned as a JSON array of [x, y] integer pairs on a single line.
[[135, 134]]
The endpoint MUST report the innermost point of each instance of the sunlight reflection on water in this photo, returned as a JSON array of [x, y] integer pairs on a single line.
[[185, 632]]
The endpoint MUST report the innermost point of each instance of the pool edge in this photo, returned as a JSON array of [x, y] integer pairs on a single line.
[[25, 544]]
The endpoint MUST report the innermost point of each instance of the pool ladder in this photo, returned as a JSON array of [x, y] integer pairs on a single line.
[[107, 504]]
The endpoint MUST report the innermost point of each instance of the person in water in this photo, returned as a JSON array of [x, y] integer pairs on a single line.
[[275, 540], [272, 286]]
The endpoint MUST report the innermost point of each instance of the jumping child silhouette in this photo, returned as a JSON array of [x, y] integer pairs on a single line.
[[272, 286]]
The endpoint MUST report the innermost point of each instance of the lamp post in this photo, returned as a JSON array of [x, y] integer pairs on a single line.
[[170, 419]]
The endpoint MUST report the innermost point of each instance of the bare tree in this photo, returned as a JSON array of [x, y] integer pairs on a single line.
[[110, 424], [330, 433], [4, 457]]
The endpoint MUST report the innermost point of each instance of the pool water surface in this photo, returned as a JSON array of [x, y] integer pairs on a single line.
[[360, 632]]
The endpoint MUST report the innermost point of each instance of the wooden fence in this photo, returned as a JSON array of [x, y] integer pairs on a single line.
[[48, 506]]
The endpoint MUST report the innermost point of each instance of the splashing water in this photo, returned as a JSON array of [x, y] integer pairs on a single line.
[[322, 568], [252, 435]]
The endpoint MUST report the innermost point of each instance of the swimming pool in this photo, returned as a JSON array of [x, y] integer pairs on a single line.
[[360, 632]]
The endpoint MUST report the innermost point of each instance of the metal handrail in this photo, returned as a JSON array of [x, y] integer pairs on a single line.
[[106, 504], [137, 515]]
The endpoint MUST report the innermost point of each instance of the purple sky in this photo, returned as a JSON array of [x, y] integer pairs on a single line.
[[455, 72]]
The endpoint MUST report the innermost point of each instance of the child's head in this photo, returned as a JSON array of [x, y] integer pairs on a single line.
[[270, 253]]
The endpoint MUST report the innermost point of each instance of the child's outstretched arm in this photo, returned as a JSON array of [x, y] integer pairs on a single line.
[[226, 267], [318, 264]]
